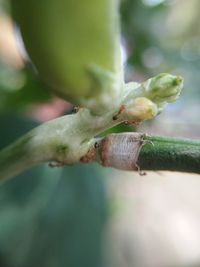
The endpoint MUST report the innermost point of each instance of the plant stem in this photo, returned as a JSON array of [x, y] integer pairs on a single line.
[[68, 139], [16, 158], [174, 154], [159, 153], [137, 151], [64, 140]]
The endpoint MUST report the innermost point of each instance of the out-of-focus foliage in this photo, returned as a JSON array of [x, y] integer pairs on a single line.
[[163, 36], [55, 217], [18, 86], [19, 98], [50, 217]]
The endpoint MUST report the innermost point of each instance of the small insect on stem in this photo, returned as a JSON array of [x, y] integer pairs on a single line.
[[122, 150]]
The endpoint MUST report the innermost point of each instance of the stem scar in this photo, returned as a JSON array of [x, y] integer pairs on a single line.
[[121, 151]]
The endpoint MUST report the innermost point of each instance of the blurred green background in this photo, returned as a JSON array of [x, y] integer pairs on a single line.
[[88, 216]]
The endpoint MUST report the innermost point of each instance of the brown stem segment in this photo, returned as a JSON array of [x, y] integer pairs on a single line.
[[130, 151], [121, 151]]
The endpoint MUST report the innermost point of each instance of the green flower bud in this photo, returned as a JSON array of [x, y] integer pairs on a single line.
[[146, 100], [163, 88]]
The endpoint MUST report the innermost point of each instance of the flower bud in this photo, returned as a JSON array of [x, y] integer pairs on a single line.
[[163, 88], [141, 109]]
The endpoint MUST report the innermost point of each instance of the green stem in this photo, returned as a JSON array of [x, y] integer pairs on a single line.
[[64, 140], [174, 154], [15, 158], [133, 151], [68, 139]]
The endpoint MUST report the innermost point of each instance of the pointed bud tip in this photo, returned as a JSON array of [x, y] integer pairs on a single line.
[[179, 80], [164, 88]]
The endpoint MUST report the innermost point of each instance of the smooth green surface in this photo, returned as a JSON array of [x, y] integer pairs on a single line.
[[74, 45], [173, 154]]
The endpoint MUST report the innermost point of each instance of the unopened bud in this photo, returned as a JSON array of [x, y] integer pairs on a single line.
[[141, 109], [163, 88]]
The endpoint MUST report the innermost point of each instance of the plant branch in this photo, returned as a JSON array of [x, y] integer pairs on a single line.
[[174, 154], [68, 139], [135, 151]]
